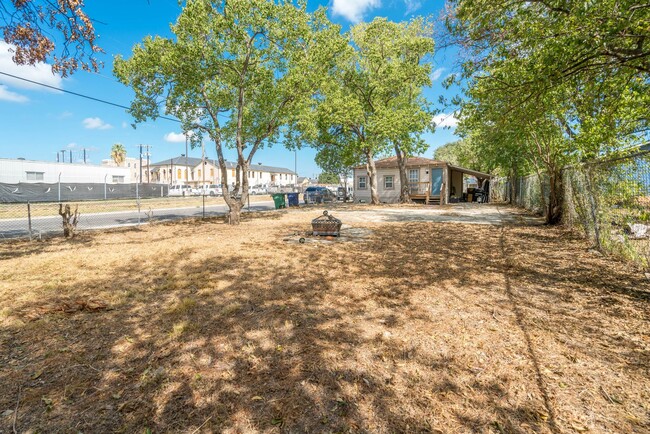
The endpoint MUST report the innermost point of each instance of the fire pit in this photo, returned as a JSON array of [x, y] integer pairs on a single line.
[[326, 225]]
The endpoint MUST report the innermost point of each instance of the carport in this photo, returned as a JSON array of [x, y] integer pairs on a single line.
[[461, 188]]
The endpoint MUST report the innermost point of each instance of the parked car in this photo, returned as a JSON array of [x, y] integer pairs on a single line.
[[208, 190], [180, 190], [318, 195], [258, 189], [340, 194]]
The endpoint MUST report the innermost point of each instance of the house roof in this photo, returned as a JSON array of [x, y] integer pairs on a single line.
[[386, 163], [178, 161], [193, 162]]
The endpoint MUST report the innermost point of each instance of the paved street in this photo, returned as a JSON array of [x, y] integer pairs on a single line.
[[14, 228]]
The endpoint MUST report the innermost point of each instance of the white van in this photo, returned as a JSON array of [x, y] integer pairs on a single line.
[[180, 190]]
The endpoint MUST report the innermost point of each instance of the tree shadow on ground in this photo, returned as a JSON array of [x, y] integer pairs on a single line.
[[393, 335]]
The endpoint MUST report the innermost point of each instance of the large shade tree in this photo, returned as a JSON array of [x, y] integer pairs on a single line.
[[372, 102], [236, 72]]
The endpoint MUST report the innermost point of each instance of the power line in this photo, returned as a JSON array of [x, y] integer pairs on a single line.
[[78, 94]]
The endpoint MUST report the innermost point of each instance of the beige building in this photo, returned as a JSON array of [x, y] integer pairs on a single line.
[[195, 172]]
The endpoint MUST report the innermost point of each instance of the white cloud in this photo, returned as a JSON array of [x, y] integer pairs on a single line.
[[71, 145], [353, 10], [446, 120], [437, 73], [41, 72], [7, 95], [96, 124], [177, 137], [412, 6]]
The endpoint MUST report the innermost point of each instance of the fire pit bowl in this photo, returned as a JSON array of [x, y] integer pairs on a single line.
[[326, 225]]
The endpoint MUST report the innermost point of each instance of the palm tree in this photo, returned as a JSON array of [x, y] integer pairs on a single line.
[[118, 153]]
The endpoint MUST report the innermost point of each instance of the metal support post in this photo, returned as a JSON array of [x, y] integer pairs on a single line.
[[29, 219]]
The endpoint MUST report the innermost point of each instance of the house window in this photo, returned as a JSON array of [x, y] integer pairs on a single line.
[[389, 183], [199, 173], [211, 173], [233, 172], [118, 179], [35, 176], [414, 176], [362, 183], [179, 173]]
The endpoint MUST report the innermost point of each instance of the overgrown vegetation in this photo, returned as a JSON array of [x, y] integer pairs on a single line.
[[548, 83]]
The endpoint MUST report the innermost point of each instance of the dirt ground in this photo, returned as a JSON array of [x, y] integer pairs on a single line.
[[404, 325]]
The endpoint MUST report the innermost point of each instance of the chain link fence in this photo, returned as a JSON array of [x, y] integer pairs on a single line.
[[609, 201], [41, 218]]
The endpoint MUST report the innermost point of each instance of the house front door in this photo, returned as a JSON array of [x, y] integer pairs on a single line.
[[436, 182]]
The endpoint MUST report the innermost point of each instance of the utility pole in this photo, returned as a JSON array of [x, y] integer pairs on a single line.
[[147, 154], [62, 151], [84, 155], [70, 156]]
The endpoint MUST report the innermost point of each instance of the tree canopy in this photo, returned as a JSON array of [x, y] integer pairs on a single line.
[[237, 72], [38, 29], [118, 153], [552, 82], [372, 99]]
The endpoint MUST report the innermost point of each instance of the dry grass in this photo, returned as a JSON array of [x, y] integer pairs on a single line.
[[425, 327]]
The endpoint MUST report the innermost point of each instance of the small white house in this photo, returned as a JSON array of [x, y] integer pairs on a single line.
[[14, 171], [429, 180]]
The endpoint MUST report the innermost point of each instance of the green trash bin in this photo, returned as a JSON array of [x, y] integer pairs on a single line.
[[278, 199]]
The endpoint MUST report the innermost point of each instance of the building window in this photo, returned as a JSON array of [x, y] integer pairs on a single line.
[[414, 176], [129, 164], [179, 173], [211, 173], [233, 172], [35, 176], [389, 183], [199, 173], [118, 179], [362, 183]]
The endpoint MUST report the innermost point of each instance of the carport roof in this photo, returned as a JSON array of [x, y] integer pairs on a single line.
[[476, 173]]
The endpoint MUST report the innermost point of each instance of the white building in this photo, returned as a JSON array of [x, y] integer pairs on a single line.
[[13, 171], [195, 171]]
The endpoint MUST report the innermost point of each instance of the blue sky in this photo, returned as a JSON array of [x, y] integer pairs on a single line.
[[36, 122]]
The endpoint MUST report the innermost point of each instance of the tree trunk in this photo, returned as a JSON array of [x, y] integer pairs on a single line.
[[70, 220], [555, 199], [234, 213], [234, 206], [405, 191], [371, 169]]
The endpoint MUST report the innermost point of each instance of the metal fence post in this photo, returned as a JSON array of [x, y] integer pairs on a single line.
[[203, 207], [105, 186], [59, 187], [29, 219], [137, 201]]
